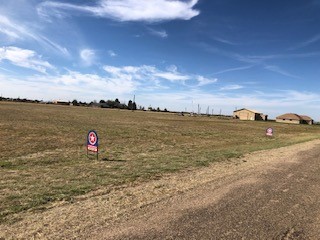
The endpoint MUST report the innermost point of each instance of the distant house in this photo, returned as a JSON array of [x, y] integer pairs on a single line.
[[294, 119], [306, 119], [247, 114], [58, 102]]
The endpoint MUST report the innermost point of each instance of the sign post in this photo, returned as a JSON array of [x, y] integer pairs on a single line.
[[269, 132], [92, 143]]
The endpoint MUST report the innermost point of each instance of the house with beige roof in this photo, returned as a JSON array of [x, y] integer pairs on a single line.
[[294, 118], [249, 114]]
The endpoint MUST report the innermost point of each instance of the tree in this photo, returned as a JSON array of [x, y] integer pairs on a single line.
[[134, 106], [75, 102], [130, 105], [117, 103], [111, 103]]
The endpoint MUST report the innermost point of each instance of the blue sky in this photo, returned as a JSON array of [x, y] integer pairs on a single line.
[[221, 54]]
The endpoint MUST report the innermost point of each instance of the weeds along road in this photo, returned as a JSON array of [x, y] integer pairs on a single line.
[[278, 198], [271, 194]]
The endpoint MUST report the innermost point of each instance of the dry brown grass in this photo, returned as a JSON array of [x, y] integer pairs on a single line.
[[42, 153]]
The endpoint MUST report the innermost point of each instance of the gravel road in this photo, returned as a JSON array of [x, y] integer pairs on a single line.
[[272, 194], [276, 199]]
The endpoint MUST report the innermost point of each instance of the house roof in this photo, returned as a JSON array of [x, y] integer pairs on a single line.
[[250, 110], [294, 116], [306, 118]]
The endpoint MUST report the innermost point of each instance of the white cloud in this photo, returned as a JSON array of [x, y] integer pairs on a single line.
[[205, 81], [24, 58], [148, 73], [126, 10], [112, 70], [172, 76], [88, 56], [68, 86], [231, 87], [143, 74], [95, 82], [156, 76]]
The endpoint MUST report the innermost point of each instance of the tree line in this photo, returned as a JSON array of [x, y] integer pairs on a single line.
[[131, 105]]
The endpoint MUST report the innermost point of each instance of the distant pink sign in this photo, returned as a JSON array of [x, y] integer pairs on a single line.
[[269, 132]]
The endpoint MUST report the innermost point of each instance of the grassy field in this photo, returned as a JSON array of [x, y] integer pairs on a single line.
[[43, 157]]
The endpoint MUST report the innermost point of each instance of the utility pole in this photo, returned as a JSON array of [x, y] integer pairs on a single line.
[[134, 103], [192, 107]]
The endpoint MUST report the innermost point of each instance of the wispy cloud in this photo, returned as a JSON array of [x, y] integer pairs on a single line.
[[224, 41], [17, 31], [9, 28], [158, 33], [10, 34], [277, 69], [231, 87], [88, 56], [205, 81], [257, 60], [53, 45], [125, 10], [24, 58], [6, 70], [233, 69], [172, 76], [112, 53], [145, 72], [306, 43], [95, 82], [254, 59], [263, 58], [229, 54], [155, 76]]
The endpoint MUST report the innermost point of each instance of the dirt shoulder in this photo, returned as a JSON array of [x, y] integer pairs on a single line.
[[146, 209]]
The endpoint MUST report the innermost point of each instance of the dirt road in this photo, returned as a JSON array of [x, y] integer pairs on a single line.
[[272, 194]]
